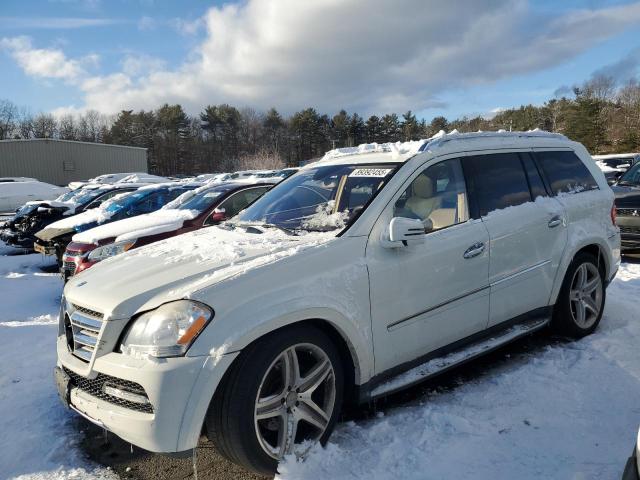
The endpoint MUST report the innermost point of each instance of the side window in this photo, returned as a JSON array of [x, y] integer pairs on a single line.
[[565, 172], [498, 181], [533, 175], [437, 196], [239, 201], [103, 198]]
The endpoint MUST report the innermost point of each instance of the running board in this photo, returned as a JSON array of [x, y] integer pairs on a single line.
[[438, 365]]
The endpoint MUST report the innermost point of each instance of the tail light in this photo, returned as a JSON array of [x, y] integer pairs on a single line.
[[614, 214]]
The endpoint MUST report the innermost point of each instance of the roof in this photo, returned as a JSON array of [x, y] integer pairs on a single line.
[[402, 151], [57, 140]]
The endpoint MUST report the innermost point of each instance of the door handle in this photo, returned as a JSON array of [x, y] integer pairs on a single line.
[[555, 221], [474, 250]]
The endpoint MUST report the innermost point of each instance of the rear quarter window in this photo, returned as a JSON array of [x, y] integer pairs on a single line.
[[565, 172]]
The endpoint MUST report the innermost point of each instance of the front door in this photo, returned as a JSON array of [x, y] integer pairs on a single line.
[[426, 296]]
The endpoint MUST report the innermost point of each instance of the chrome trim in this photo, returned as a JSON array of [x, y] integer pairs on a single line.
[[87, 417], [521, 272], [82, 321], [83, 339], [394, 325]]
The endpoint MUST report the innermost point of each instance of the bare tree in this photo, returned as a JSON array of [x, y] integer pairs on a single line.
[[67, 128], [44, 126], [262, 160], [8, 118]]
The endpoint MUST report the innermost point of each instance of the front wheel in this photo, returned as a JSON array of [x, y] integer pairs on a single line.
[[581, 299], [282, 394]]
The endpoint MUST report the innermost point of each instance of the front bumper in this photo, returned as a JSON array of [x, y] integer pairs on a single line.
[[179, 390], [46, 248], [629, 232]]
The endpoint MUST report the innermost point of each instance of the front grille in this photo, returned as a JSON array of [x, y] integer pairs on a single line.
[[628, 212], [84, 325], [69, 268], [625, 229], [95, 388]]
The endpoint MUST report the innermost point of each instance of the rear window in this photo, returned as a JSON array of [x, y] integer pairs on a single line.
[[565, 172], [497, 180]]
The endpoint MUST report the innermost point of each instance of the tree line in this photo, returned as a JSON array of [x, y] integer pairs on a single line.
[[601, 115]]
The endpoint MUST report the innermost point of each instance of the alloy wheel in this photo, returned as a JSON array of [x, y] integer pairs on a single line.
[[295, 400], [586, 295]]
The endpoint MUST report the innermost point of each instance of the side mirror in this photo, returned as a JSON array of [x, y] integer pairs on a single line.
[[219, 215], [405, 231]]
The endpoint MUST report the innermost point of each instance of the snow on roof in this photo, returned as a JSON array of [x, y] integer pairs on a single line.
[[402, 151], [615, 155]]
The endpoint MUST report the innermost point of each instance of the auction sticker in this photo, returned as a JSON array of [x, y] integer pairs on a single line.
[[370, 172]]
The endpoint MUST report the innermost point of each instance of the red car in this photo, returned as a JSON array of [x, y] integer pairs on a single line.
[[205, 206]]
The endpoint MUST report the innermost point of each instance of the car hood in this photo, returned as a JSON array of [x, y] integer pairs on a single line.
[[161, 221], [180, 266], [627, 195]]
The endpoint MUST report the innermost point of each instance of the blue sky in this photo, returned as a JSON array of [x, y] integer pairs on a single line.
[[437, 59]]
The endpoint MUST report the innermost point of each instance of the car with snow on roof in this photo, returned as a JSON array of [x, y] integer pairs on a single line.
[[54, 238], [34, 216], [368, 271], [205, 206]]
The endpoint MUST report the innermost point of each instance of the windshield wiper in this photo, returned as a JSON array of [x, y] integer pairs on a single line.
[[626, 182], [286, 230]]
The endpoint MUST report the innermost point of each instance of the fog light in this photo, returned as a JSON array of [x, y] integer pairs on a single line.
[[125, 395]]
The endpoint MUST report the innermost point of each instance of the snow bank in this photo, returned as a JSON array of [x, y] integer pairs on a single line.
[[160, 221]]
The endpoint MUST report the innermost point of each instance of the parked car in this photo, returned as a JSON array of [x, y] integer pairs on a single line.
[[34, 216], [203, 207], [614, 165], [360, 275], [627, 191], [53, 239], [632, 468], [130, 177], [16, 191]]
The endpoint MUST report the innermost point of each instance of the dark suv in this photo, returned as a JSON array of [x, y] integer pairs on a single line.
[[627, 192]]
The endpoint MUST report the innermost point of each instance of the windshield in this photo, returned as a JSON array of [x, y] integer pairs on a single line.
[[203, 200], [65, 197], [324, 198], [632, 175]]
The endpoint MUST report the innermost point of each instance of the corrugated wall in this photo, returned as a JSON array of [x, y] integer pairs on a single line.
[[60, 162]]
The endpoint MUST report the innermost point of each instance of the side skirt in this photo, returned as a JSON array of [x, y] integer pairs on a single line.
[[451, 356]]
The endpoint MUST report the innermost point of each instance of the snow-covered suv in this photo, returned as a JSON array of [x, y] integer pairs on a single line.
[[372, 269]]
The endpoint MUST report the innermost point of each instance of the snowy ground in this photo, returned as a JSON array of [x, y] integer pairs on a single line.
[[566, 411]]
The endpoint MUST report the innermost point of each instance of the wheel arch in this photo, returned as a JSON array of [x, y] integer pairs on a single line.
[[595, 248]]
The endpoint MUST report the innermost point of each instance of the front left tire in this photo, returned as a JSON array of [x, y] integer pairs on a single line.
[[282, 394]]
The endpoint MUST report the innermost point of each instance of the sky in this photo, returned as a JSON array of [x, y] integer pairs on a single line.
[[469, 57]]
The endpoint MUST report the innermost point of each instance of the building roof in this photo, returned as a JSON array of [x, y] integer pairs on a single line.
[[57, 140]]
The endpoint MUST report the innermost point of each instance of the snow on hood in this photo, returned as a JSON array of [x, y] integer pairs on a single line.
[[160, 221], [180, 266]]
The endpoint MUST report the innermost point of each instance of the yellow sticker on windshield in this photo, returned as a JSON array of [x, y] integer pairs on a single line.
[[370, 172]]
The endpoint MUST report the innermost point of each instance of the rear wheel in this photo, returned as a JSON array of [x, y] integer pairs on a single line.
[[281, 395], [581, 299]]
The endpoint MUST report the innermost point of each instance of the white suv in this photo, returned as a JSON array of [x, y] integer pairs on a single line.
[[373, 269]]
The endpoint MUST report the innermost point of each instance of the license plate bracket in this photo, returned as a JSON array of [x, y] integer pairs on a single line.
[[63, 384]]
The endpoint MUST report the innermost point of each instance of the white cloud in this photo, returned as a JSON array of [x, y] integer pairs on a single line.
[[147, 23], [41, 62], [369, 55], [187, 27], [135, 65]]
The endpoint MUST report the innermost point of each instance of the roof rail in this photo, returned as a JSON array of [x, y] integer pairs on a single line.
[[441, 137]]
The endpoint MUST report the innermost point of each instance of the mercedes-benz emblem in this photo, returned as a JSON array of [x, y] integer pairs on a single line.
[[635, 213]]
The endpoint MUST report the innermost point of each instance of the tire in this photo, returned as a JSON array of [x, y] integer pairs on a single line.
[[257, 444], [580, 303]]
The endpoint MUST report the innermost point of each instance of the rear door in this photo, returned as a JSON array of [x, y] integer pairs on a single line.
[[527, 237]]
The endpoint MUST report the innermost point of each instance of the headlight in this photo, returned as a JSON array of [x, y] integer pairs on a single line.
[[167, 331], [102, 253]]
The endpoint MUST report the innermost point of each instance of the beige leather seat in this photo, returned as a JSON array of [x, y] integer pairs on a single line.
[[423, 200]]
